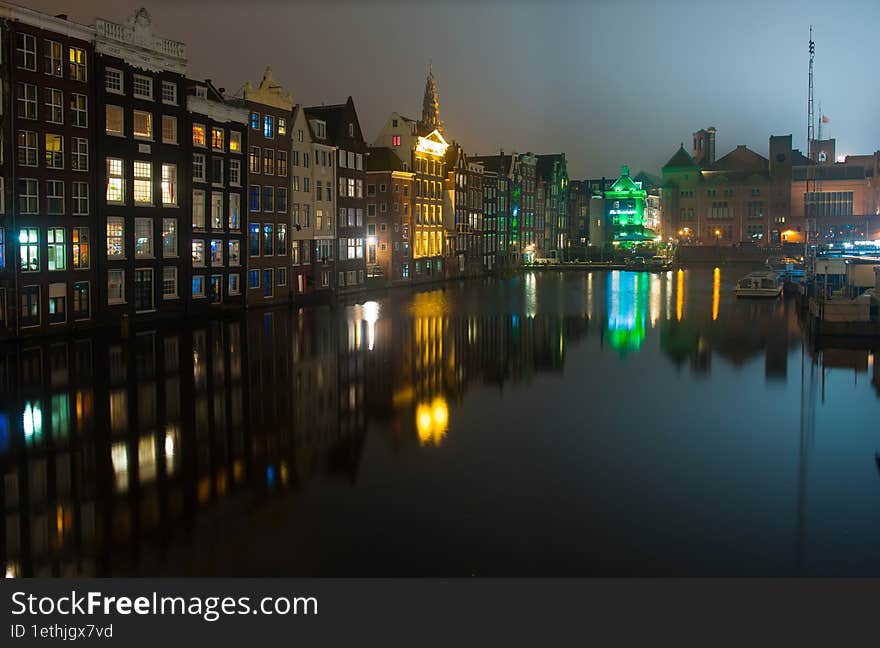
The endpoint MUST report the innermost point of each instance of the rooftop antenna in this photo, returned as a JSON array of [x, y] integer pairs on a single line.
[[809, 203]]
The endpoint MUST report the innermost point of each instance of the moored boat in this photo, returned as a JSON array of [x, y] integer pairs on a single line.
[[763, 283]]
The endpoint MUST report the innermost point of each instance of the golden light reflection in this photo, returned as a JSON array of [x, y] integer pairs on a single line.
[[654, 299], [716, 292], [589, 295], [531, 295], [679, 294], [431, 421]]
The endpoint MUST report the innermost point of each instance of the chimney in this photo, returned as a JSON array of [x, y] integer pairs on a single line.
[[704, 146]]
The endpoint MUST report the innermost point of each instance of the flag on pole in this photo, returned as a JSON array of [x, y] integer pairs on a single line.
[[824, 119]]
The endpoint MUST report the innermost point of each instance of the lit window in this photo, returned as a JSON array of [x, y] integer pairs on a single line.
[[29, 249], [198, 253], [216, 210], [268, 126], [169, 237], [234, 211], [57, 248], [234, 252], [81, 248], [115, 237], [143, 124], [268, 239], [169, 184], [255, 121], [169, 129], [199, 135], [235, 141], [143, 238], [143, 183], [281, 162], [216, 252], [54, 151], [217, 139], [115, 121], [395, 140], [268, 162], [77, 63], [115, 181]]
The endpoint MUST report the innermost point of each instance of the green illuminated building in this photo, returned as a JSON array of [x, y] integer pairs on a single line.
[[622, 209]]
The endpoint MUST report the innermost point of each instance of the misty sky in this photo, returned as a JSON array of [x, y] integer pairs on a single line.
[[608, 83]]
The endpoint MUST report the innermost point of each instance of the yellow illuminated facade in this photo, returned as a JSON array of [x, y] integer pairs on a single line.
[[428, 233]]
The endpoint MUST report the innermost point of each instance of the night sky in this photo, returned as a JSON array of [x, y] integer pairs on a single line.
[[608, 83]]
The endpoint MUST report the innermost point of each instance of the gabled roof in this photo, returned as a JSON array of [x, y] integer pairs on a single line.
[[496, 163], [681, 159], [336, 117], [544, 168], [382, 158], [648, 181], [625, 184], [741, 159], [454, 156]]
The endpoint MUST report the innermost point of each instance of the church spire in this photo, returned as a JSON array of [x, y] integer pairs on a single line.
[[431, 105]]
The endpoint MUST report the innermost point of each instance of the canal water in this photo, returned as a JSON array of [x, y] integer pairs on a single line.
[[556, 424]]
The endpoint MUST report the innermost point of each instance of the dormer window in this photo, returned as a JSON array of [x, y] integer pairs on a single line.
[[320, 128], [394, 123], [202, 92], [350, 129]]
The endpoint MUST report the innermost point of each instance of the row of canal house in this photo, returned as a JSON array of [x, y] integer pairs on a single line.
[[131, 192]]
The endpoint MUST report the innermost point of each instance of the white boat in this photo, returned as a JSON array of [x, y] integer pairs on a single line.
[[787, 267], [763, 283]]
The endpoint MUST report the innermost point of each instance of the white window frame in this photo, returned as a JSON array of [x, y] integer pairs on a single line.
[[169, 135], [165, 279], [169, 93], [116, 220], [145, 81], [143, 181], [114, 73]]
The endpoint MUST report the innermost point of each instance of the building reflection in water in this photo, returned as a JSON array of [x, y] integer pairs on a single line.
[[115, 452]]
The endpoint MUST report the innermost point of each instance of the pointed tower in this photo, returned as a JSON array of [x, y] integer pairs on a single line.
[[431, 105]]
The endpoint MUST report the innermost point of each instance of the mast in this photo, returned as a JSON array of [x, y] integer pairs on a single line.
[[809, 202]]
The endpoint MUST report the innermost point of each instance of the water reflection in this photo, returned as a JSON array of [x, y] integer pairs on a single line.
[[157, 453]]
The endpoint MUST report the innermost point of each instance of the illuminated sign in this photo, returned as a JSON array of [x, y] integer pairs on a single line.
[[434, 144]]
